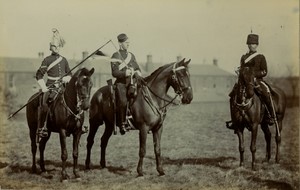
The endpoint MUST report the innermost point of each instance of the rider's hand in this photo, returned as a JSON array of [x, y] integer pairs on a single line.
[[128, 72], [43, 86], [66, 79], [45, 89]]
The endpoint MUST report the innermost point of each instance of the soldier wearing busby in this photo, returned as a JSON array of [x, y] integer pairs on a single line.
[[259, 64], [55, 66], [123, 69]]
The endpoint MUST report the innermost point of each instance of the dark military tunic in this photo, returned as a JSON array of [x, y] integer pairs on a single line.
[[119, 73], [258, 62], [57, 71]]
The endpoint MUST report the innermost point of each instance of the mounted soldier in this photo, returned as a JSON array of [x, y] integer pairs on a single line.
[[55, 66], [258, 62], [124, 67]]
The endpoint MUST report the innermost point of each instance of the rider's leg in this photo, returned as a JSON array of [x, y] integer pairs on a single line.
[[42, 116], [121, 107], [266, 96], [229, 124]]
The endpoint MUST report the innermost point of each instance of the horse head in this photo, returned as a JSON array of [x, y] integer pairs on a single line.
[[180, 81], [82, 83], [245, 84]]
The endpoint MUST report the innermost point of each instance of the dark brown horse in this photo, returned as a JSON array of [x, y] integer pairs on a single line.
[[148, 110], [66, 117], [250, 112]]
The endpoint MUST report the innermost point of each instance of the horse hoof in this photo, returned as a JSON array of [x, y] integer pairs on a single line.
[[161, 173], [78, 178], [64, 181]]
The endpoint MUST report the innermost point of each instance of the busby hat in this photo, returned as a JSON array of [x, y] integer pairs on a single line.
[[122, 37], [252, 39], [56, 39]]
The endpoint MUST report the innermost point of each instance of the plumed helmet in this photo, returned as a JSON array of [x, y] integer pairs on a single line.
[[122, 37], [56, 39], [252, 39]]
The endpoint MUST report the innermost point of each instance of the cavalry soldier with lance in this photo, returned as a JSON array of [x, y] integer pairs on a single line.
[[258, 62], [56, 66], [124, 67]]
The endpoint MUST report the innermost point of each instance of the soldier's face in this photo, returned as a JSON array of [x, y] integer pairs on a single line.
[[252, 47], [125, 45], [54, 49]]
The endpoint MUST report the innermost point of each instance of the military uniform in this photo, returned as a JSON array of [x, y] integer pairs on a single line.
[[127, 61], [54, 72], [56, 67], [259, 64]]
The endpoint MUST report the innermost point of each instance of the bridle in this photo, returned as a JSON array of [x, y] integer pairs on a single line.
[[179, 89], [79, 98]]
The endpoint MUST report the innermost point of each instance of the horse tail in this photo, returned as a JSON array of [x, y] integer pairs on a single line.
[[279, 98]]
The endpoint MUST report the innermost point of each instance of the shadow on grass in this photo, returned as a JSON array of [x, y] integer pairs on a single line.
[[56, 165], [216, 162], [272, 184]]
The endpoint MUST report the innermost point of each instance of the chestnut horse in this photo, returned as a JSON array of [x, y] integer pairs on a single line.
[[148, 110], [66, 117], [250, 112]]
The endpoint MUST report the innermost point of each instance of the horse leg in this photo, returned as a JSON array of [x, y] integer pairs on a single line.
[[278, 142], [104, 140], [64, 154], [240, 134], [90, 141], [33, 149], [156, 141], [76, 139], [267, 133], [142, 151], [253, 143], [42, 146]]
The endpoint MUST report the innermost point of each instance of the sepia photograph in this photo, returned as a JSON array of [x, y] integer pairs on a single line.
[[149, 95]]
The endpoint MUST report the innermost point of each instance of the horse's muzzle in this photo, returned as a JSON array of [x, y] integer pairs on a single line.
[[187, 96]]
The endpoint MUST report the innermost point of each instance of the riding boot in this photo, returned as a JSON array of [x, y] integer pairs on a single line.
[[230, 124], [42, 121], [270, 110], [122, 117]]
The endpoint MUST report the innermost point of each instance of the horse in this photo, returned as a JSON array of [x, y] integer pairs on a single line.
[[66, 117], [148, 110], [249, 111]]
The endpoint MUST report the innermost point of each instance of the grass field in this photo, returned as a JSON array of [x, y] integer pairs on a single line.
[[198, 153]]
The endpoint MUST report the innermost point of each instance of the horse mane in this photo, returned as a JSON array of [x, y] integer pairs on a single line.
[[156, 72]]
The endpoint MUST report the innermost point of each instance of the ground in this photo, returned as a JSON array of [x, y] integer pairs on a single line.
[[198, 152]]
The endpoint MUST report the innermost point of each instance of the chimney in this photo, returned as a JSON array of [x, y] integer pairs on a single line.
[[85, 54], [215, 62], [41, 55], [149, 63], [179, 58]]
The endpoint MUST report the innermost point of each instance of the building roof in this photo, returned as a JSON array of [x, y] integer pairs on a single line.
[[208, 70], [101, 65]]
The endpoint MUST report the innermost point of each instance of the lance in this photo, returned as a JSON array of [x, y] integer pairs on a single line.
[[97, 52]]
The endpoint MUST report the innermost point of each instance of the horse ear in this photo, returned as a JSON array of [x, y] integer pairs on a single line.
[[91, 71], [186, 63]]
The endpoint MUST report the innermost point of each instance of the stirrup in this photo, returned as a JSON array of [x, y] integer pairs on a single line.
[[123, 129]]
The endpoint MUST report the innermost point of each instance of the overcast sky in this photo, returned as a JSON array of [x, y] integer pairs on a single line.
[[197, 29]]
